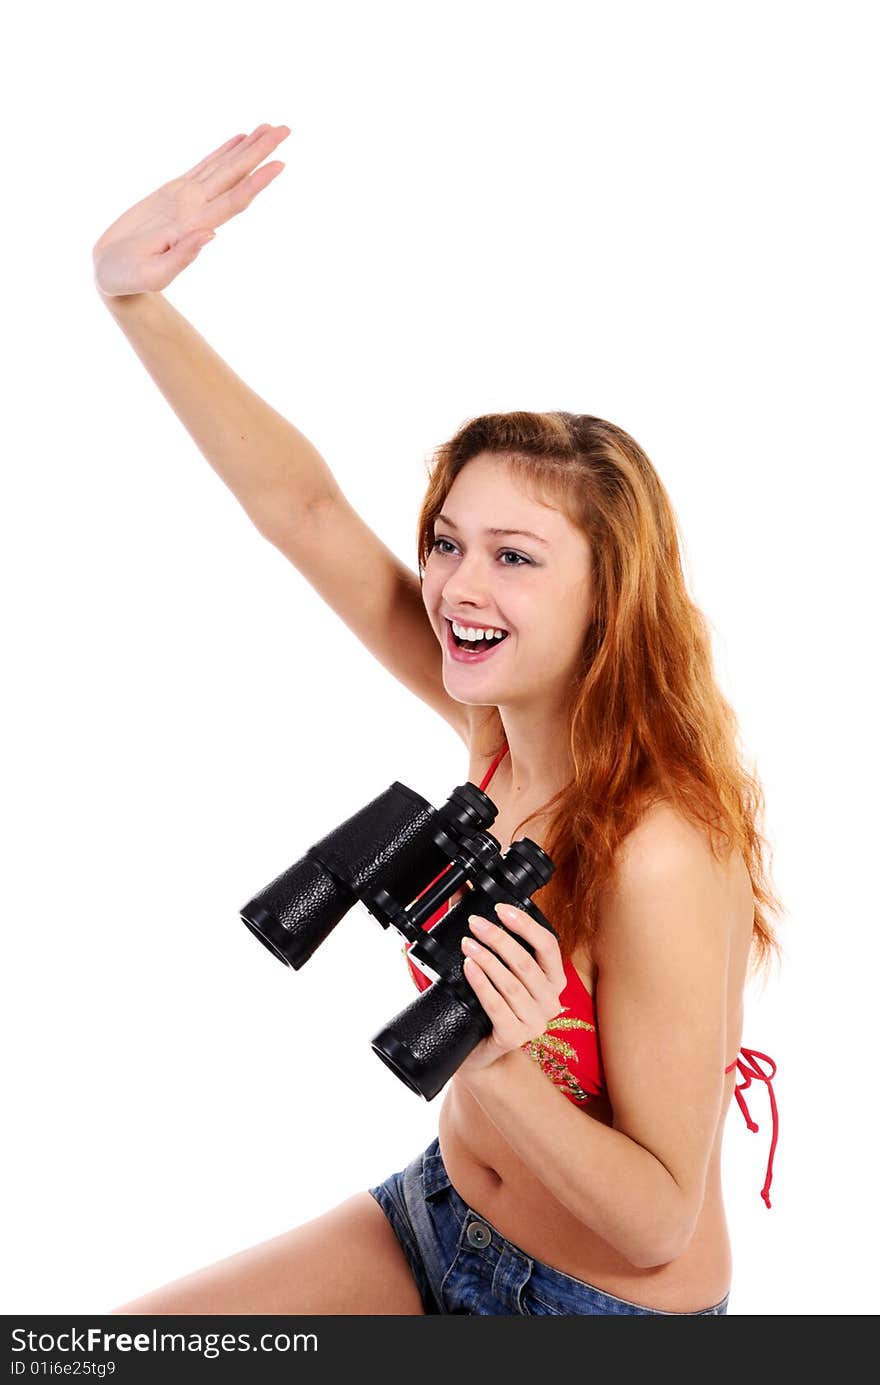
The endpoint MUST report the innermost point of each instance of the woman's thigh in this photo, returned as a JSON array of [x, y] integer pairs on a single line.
[[347, 1260]]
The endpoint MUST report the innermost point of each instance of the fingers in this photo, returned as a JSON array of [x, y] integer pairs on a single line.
[[240, 159], [486, 964], [222, 209], [210, 159], [511, 970], [239, 144], [488, 995], [544, 943]]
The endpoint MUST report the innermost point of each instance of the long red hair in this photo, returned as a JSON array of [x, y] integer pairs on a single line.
[[648, 719]]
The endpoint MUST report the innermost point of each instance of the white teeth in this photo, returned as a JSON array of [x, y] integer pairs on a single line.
[[470, 632]]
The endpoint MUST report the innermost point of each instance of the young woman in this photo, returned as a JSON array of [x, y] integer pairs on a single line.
[[551, 627]]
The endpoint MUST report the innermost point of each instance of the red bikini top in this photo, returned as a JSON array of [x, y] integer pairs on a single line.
[[569, 1051]]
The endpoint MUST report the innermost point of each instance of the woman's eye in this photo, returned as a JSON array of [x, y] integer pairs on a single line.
[[521, 560]]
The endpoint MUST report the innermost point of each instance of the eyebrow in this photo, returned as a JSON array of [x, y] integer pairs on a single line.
[[527, 533]]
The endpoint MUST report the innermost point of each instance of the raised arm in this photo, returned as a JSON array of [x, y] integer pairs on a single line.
[[279, 478], [260, 456]]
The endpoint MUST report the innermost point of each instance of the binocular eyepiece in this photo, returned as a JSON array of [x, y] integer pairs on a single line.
[[389, 851]]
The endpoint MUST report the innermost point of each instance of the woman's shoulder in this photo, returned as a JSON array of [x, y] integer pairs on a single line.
[[668, 843], [661, 824]]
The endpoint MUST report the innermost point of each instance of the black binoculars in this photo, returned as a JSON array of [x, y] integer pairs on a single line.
[[390, 851]]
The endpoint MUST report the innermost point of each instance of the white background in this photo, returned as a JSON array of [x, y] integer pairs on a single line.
[[660, 214]]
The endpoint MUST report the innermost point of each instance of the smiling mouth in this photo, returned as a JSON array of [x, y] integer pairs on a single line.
[[480, 646]]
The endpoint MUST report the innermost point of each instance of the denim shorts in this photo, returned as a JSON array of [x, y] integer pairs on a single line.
[[462, 1264]]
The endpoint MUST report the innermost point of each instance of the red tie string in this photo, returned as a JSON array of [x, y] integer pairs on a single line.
[[750, 1071]]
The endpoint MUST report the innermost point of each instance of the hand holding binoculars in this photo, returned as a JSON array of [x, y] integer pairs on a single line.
[[389, 851]]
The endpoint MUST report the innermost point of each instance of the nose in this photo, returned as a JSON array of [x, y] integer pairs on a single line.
[[466, 586]]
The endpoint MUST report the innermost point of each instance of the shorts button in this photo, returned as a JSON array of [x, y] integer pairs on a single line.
[[478, 1233]]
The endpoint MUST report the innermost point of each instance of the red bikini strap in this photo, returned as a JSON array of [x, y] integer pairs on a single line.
[[494, 765], [750, 1072]]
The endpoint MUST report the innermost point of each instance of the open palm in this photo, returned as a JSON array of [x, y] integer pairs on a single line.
[[148, 246]]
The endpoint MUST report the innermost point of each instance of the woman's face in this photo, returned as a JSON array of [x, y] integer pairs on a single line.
[[538, 588]]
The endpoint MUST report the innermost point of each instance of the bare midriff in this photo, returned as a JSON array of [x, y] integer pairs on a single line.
[[496, 1184]]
